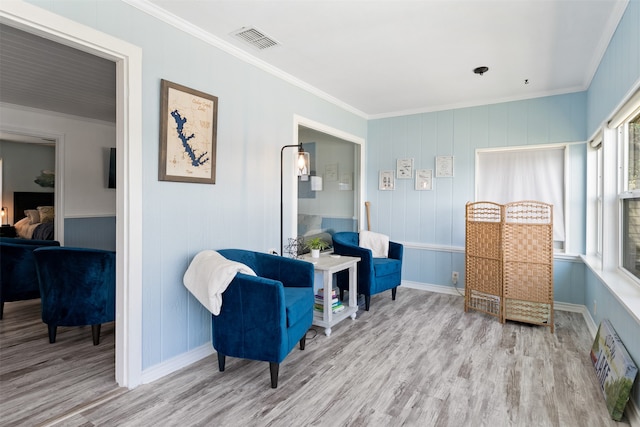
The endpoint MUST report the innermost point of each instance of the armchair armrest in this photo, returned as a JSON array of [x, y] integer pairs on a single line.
[[253, 311], [396, 250]]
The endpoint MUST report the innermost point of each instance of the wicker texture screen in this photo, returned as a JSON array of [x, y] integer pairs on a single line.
[[483, 256], [509, 261], [528, 262]]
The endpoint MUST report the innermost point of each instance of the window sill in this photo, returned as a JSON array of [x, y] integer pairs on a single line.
[[624, 288]]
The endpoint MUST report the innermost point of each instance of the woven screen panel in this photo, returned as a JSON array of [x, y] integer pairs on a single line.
[[483, 258]]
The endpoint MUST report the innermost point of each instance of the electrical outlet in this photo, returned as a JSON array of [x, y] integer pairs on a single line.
[[454, 277], [272, 251]]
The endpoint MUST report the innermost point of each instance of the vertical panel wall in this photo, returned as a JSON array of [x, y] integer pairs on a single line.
[[255, 119], [618, 73], [431, 223]]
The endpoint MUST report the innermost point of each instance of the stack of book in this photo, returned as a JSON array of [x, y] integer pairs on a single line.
[[336, 305]]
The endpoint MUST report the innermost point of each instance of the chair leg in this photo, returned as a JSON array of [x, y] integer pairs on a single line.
[[273, 368], [367, 302], [52, 333], [1, 309], [303, 341], [393, 293], [221, 360], [95, 333]]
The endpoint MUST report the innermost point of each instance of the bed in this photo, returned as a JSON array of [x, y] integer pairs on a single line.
[[33, 215]]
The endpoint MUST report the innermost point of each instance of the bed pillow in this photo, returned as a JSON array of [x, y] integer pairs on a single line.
[[46, 213], [33, 215]]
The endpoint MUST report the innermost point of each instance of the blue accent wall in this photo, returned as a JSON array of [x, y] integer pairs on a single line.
[[256, 113], [255, 120], [95, 233], [436, 218], [618, 71], [617, 74]]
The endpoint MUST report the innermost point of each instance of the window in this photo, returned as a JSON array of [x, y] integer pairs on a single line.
[[630, 196], [525, 173]]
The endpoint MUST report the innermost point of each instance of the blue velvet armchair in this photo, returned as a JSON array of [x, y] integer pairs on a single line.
[[18, 277], [375, 275], [264, 316], [77, 288]]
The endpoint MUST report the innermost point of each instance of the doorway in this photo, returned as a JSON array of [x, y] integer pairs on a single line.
[[338, 162], [128, 61]]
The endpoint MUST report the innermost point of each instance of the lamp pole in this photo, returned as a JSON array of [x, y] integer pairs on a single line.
[[300, 150]]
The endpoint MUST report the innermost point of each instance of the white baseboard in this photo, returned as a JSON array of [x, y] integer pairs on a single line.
[[440, 289], [176, 363]]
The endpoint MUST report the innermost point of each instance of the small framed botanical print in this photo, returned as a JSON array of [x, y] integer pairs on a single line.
[[424, 179], [404, 168], [386, 180], [444, 166]]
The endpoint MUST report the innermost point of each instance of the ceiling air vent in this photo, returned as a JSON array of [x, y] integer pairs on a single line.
[[255, 38]]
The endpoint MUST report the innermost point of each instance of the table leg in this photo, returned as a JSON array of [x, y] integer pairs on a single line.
[[327, 282], [353, 288]]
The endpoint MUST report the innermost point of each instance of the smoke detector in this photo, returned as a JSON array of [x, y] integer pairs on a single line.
[[256, 38]]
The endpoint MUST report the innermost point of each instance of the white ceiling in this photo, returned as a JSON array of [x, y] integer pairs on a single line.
[[385, 58], [376, 58]]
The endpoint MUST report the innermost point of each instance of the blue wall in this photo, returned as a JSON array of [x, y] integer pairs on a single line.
[[242, 209], [618, 71], [431, 223], [95, 232], [255, 119], [617, 74]]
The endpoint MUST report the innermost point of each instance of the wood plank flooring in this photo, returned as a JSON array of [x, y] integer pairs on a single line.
[[418, 361]]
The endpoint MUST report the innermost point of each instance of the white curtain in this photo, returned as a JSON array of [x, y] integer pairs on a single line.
[[524, 174]]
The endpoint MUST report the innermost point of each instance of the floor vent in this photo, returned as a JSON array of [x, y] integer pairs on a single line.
[[255, 38]]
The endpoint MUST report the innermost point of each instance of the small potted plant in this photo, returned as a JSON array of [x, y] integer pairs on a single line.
[[316, 245]]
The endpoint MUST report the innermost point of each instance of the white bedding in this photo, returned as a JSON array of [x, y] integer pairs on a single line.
[[24, 228]]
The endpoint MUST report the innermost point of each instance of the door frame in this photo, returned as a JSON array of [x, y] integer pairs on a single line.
[[292, 194], [128, 60]]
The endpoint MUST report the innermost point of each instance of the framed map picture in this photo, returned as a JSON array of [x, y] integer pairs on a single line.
[[188, 124]]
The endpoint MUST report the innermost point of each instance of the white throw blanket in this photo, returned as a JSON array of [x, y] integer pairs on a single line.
[[208, 276], [378, 243]]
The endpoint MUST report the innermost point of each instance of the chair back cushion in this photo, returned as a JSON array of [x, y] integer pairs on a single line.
[[77, 285], [18, 277], [346, 238]]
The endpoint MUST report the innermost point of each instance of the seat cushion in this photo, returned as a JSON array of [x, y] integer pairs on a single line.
[[386, 266], [298, 302]]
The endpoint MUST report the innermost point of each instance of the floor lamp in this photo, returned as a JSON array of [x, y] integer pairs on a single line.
[[302, 167]]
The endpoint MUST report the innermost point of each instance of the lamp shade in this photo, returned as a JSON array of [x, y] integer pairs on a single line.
[[303, 162]]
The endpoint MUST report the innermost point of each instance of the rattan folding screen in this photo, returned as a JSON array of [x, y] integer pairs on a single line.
[[509, 261], [483, 266]]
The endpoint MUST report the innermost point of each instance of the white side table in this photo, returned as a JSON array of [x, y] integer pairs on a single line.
[[326, 265]]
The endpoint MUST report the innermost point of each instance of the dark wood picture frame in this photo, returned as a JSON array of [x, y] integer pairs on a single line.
[[188, 133]]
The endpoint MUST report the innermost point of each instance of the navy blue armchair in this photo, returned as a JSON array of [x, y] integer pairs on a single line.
[[77, 288], [18, 277], [375, 275], [264, 316]]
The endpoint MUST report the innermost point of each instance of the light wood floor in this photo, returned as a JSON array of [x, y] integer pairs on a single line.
[[418, 361]]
